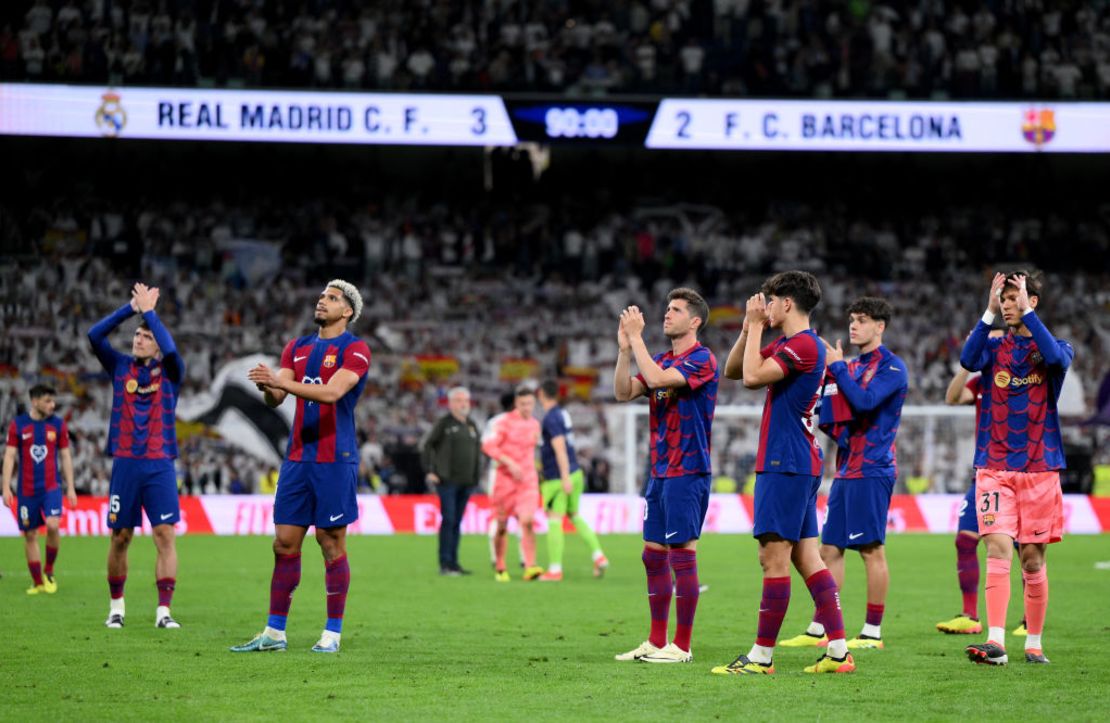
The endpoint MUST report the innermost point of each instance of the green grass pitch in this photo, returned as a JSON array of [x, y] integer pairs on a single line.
[[417, 646]]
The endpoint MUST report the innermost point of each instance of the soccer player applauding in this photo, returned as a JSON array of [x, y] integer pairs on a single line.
[[861, 411], [681, 386], [788, 466], [142, 440], [1019, 455], [326, 373]]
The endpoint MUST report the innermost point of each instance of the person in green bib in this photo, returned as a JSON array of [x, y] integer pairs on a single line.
[[563, 484]]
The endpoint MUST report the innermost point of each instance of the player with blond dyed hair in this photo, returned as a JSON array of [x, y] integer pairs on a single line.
[[326, 373]]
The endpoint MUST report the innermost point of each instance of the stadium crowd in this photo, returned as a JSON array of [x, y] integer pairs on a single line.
[[797, 48], [479, 288]]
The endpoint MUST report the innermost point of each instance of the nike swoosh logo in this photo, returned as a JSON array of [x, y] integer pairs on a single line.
[[332, 593], [852, 537], [299, 358], [670, 535], [58, 512], [166, 516], [333, 518], [1038, 534]]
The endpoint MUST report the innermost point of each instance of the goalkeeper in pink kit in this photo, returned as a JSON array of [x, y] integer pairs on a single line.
[[511, 442]]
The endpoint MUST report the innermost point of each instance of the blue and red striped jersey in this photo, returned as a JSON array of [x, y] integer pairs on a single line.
[[325, 432], [1018, 425], [38, 442], [144, 395], [786, 440], [681, 418], [874, 385]]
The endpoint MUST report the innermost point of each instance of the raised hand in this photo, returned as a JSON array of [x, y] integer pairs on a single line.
[[623, 342], [994, 301], [757, 310], [1023, 294], [833, 354], [632, 319], [144, 298]]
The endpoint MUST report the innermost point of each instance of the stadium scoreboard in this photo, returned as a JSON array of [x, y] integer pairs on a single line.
[[194, 114]]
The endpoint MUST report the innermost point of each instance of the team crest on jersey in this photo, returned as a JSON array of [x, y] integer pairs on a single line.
[[1002, 379], [155, 371], [1035, 358], [988, 520], [868, 376], [51, 435], [38, 452], [131, 386], [329, 361]]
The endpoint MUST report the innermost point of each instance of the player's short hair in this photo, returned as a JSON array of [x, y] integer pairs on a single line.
[[550, 389], [507, 400], [878, 309], [144, 325], [694, 302], [524, 390], [351, 294], [457, 390], [1034, 281], [41, 390], [801, 286]]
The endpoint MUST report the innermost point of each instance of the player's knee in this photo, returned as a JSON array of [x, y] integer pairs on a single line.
[[31, 535], [284, 547], [122, 538]]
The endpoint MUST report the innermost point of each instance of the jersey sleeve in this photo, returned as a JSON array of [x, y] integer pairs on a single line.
[[975, 385], [63, 435], [287, 355], [797, 356], [13, 435], [553, 425], [356, 358], [768, 350], [493, 439], [698, 368], [889, 380]]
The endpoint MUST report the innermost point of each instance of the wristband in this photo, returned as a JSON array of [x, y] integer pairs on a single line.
[[988, 317], [1027, 312]]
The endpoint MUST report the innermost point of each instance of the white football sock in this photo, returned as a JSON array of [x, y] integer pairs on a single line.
[[274, 634], [115, 606], [871, 631], [997, 635], [815, 629], [760, 654], [838, 648], [1032, 642]]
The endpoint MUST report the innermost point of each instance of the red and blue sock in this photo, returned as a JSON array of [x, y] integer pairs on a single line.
[[656, 564], [967, 570], [35, 569], [286, 577], [115, 586], [166, 587], [51, 556], [685, 565], [874, 614], [826, 598], [772, 609], [337, 580]]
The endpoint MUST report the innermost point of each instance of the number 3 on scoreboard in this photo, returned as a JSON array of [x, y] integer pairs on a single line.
[[985, 506]]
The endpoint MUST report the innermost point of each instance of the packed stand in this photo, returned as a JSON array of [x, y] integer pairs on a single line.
[[793, 48]]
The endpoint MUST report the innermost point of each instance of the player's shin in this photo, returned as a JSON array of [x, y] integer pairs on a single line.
[[684, 563], [286, 577], [826, 598], [967, 571], [659, 593], [772, 610], [1036, 606], [337, 580], [998, 598]]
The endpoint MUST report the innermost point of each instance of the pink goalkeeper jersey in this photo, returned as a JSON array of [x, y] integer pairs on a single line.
[[516, 438]]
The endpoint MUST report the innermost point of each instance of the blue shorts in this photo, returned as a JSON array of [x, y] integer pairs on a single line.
[[33, 511], [786, 504], [968, 521], [316, 493], [676, 507], [857, 512], [142, 484]]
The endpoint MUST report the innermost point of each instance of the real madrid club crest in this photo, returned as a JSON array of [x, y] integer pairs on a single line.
[[111, 118], [329, 361]]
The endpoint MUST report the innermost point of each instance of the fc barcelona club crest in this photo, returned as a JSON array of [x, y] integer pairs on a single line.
[[1039, 126], [988, 520], [329, 361], [868, 376], [1035, 358], [51, 435], [111, 118]]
